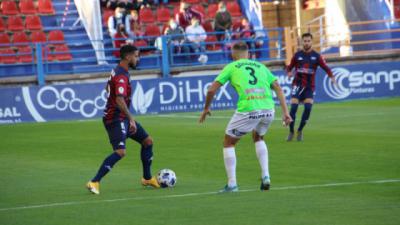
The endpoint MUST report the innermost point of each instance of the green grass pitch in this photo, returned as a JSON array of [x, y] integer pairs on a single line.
[[327, 179]]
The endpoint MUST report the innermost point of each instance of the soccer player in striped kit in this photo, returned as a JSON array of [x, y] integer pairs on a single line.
[[305, 63]]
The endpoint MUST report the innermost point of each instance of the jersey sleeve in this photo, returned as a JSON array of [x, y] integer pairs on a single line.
[[324, 66], [292, 64], [225, 75], [121, 85], [271, 78]]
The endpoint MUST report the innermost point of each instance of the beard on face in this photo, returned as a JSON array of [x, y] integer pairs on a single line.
[[132, 65]]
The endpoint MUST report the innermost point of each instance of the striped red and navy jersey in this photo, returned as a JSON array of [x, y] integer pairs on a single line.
[[119, 84], [306, 64]]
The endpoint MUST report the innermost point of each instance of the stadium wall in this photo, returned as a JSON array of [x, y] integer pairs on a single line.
[[170, 95]]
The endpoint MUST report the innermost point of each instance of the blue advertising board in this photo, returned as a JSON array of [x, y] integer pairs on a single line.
[[169, 95]]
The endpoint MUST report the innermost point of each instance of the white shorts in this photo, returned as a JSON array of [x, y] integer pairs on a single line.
[[243, 123]]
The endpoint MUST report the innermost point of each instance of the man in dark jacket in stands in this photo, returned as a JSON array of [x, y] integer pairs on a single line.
[[185, 15]]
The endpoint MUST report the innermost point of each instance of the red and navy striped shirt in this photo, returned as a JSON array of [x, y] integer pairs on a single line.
[[306, 64], [119, 84]]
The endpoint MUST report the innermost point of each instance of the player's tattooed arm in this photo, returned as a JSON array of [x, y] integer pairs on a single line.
[[124, 108], [286, 119]]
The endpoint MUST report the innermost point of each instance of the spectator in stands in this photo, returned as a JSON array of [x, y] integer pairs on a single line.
[[247, 34], [126, 4], [118, 18], [103, 3], [196, 35], [223, 21], [178, 39], [136, 28], [121, 38], [112, 4], [185, 15], [140, 4]]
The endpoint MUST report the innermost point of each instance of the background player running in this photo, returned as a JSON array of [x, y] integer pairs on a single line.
[[305, 62], [120, 124], [255, 110]]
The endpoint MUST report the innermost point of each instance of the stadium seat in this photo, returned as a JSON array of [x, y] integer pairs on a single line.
[[152, 30], [9, 8], [38, 36], [192, 1], [27, 7], [212, 46], [146, 16], [45, 7], [163, 15], [25, 54], [106, 15], [33, 23], [15, 23], [56, 36], [212, 11], [199, 8], [208, 26], [2, 26], [20, 38], [10, 58], [61, 53], [234, 9], [4, 40]]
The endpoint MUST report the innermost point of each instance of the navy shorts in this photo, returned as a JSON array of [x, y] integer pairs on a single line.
[[302, 93], [118, 132]]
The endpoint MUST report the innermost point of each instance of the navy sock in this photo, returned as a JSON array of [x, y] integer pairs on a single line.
[[146, 154], [305, 116], [107, 165], [293, 111]]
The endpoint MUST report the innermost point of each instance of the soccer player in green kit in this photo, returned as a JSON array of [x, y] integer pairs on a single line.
[[255, 110]]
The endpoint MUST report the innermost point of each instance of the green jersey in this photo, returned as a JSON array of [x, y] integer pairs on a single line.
[[252, 81]]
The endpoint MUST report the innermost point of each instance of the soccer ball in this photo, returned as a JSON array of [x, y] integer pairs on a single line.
[[166, 178]]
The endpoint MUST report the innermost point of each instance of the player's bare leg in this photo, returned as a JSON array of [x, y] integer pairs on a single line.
[[308, 102], [294, 103], [262, 155], [230, 163]]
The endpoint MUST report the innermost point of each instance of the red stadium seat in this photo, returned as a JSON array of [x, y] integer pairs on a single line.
[[38, 36], [4, 40], [146, 16], [192, 1], [33, 23], [199, 8], [152, 30], [45, 7], [140, 43], [9, 8], [15, 23], [56, 36], [27, 7], [61, 53], [2, 26], [212, 46], [107, 14], [208, 26], [234, 9], [10, 58], [212, 11], [163, 15], [20, 38], [25, 54]]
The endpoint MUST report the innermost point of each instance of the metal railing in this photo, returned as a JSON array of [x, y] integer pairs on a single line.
[[84, 60]]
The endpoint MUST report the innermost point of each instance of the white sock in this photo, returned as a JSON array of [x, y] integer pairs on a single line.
[[230, 165], [262, 155]]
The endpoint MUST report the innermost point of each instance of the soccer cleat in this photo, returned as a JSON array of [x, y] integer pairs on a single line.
[[265, 184], [93, 187], [290, 136], [152, 182], [228, 189], [299, 135]]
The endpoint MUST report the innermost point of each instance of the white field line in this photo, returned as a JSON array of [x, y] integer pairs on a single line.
[[310, 186]]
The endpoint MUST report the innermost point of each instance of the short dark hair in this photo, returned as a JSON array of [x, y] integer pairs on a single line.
[[127, 50], [240, 46], [306, 35]]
